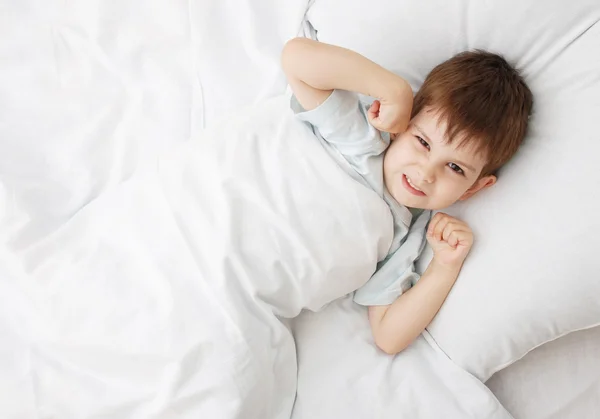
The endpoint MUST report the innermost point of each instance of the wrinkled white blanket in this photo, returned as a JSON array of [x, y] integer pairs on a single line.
[[160, 297]]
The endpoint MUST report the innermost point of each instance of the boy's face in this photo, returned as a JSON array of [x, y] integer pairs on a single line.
[[421, 170]]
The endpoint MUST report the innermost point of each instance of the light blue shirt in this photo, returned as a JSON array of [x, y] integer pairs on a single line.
[[341, 124]]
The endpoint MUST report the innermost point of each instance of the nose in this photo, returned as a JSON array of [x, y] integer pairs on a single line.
[[427, 172]]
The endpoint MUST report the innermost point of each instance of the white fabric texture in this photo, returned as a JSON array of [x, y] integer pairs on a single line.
[[89, 92], [89, 89], [533, 273], [162, 294], [559, 380], [237, 50], [341, 374]]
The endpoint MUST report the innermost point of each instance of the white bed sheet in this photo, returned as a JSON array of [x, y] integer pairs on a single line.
[[342, 374], [558, 380]]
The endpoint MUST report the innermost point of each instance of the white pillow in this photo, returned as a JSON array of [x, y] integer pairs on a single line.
[[534, 273], [560, 380]]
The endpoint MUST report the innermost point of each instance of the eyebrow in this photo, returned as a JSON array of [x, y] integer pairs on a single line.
[[460, 163]]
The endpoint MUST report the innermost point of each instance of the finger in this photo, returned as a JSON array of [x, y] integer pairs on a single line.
[[452, 239], [460, 238], [375, 106], [461, 223], [433, 223], [374, 110], [371, 116], [376, 123], [456, 220], [451, 226], [439, 228]]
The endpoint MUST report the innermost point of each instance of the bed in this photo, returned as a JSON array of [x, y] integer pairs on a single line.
[[91, 90]]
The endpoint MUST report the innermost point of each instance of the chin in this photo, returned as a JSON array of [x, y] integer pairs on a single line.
[[417, 202], [423, 207], [405, 198], [412, 202]]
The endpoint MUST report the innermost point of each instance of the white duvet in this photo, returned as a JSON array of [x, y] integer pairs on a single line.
[[162, 294]]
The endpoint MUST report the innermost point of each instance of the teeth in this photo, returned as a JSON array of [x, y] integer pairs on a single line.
[[411, 184]]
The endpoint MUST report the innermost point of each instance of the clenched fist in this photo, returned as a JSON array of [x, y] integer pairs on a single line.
[[390, 116], [451, 239]]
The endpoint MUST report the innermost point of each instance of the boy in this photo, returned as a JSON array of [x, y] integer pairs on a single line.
[[466, 121]]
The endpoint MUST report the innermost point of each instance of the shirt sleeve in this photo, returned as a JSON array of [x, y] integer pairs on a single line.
[[342, 122], [396, 274]]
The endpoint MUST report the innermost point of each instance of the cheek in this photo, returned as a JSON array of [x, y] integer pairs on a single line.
[[452, 189], [400, 149], [393, 156]]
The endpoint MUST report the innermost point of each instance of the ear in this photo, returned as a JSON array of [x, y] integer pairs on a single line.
[[481, 184]]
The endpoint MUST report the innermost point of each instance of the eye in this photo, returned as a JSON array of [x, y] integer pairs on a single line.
[[423, 142], [456, 168]]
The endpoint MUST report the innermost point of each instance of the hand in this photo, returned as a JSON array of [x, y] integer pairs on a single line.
[[450, 239], [392, 117]]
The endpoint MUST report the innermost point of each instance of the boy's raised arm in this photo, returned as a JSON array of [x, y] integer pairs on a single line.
[[396, 325], [315, 69]]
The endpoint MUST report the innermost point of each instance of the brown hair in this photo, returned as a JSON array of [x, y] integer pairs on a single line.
[[483, 99]]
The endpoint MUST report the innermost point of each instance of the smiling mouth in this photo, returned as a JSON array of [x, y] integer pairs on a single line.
[[411, 187]]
